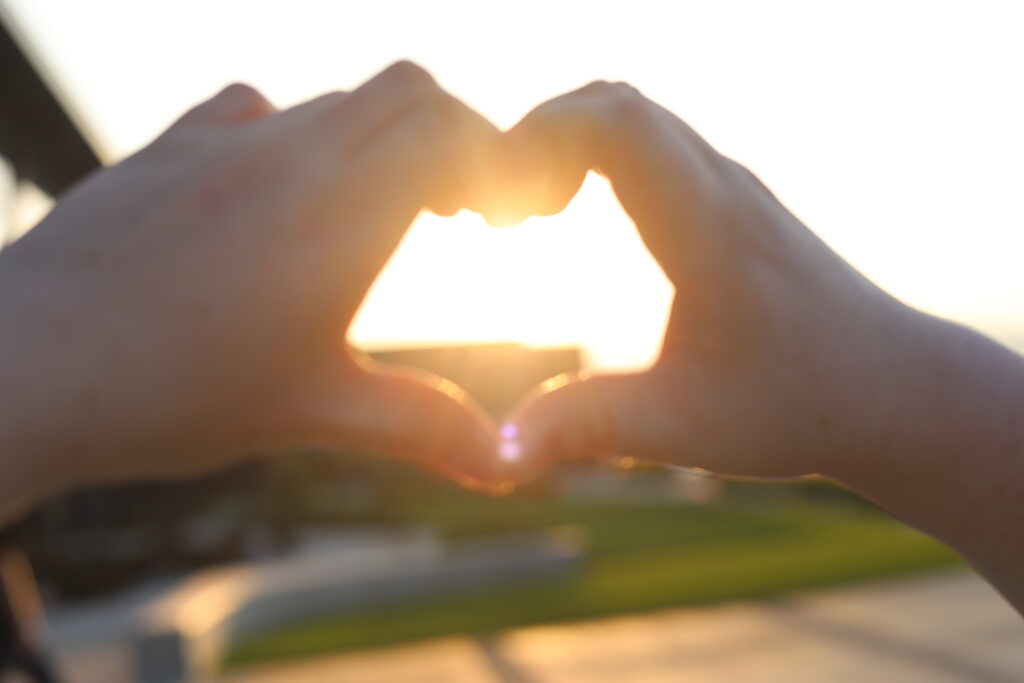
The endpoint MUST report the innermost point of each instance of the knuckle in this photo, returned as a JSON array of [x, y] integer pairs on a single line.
[[609, 88], [333, 102], [595, 86], [624, 103], [241, 91], [439, 118], [243, 100], [411, 75], [614, 105]]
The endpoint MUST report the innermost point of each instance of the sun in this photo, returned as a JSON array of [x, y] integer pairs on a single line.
[[581, 278]]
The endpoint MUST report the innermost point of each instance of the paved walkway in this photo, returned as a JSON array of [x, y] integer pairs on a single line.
[[944, 628]]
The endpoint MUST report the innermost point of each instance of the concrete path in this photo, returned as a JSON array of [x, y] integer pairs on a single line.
[[943, 628], [179, 630]]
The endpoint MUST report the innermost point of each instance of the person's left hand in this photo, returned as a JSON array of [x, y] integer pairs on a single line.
[[190, 305]]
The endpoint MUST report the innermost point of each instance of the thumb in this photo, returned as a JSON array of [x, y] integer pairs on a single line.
[[571, 418], [407, 414], [535, 173]]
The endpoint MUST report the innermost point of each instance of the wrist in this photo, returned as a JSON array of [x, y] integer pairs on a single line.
[[956, 440], [962, 394]]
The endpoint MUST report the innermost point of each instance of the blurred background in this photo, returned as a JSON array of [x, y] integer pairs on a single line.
[[892, 128]]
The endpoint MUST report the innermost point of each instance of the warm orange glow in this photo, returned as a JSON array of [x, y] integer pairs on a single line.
[[904, 157], [582, 277]]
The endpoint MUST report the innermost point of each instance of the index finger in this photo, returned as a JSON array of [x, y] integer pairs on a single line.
[[668, 179]]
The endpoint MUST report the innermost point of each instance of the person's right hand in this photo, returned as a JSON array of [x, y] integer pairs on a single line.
[[779, 358]]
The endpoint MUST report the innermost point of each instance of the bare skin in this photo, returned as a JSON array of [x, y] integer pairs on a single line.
[[780, 360], [189, 306]]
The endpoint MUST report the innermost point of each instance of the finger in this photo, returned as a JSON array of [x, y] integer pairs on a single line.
[[237, 103], [434, 152], [607, 127], [539, 173], [549, 152], [667, 178], [471, 155], [346, 122], [312, 112], [406, 414], [439, 154], [575, 419], [442, 152], [396, 145], [431, 421]]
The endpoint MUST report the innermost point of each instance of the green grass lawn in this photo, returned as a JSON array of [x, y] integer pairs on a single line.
[[642, 557]]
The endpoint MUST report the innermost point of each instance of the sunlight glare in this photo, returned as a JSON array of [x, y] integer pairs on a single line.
[[582, 277], [892, 129]]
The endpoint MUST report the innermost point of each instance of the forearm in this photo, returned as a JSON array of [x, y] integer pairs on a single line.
[[954, 464]]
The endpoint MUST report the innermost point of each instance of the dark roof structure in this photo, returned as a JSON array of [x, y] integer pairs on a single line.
[[37, 136]]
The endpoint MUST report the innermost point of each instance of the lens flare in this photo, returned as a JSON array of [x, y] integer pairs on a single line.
[[509, 449]]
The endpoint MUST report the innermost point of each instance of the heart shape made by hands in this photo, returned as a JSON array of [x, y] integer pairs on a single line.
[[750, 274], [478, 274], [580, 279]]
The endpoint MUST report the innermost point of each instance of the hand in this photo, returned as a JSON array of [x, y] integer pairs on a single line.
[[190, 305], [779, 358]]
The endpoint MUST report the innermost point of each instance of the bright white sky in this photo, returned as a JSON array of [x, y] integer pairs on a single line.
[[894, 129]]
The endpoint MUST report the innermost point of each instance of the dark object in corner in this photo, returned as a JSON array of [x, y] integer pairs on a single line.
[[36, 135]]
